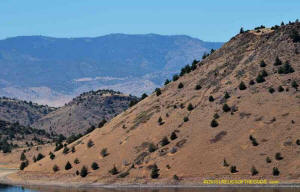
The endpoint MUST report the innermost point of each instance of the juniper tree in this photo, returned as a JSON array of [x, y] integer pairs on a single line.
[[262, 64], [214, 123], [226, 95], [226, 108], [23, 157], [94, 166], [277, 61], [55, 168], [104, 152], [254, 171], [154, 172], [295, 85], [83, 171], [114, 171], [280, 89], [173, 136], [180, 85], [276, 171], [198, 87], [167, 81], [190, 107], [164, 141], [68, 166], [158, 91], [211, 98], [152, 148]]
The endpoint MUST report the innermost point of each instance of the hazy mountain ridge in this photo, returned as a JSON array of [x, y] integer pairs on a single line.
[[56, 63]]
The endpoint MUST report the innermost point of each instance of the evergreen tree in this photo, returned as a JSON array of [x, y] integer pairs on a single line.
[[254, 171], [295, 85], [84, 171], [211, 98], [68, 166], [104, 152], [277, 61], [226, 95], [180, 85], [95, 166], [154, 172], [152, 148], [158, 91], [167, 81], [262, 64], [226, 108], [190, 107], [175, 77], [280, 89], [198, 87], [164, 141], [173, 136], [52, 156], [276, 171], [260, 79], [55, 168], [214, 123], [23, 157], [242, 30], [225, 164], [242, 86], [114, 171]]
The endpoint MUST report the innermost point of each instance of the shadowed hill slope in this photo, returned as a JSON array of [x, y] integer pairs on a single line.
[[13, 110], [194, 130], [84, 111]]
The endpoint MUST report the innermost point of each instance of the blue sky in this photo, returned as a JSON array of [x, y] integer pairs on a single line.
[[211, 20]]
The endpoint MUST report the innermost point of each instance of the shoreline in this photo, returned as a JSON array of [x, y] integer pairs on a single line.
[[5, 173]]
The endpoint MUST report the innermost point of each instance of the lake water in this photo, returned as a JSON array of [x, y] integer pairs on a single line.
[[6, 188]]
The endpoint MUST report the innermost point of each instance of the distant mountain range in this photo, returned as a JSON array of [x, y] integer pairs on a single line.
[[53, 70]]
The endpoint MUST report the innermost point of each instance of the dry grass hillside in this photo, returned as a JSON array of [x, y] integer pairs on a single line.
[[256, 123], [84, 111]]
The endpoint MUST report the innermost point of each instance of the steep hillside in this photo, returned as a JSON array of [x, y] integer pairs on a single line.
[[85, 111], [13, 110], [191, 129], [132, 64]]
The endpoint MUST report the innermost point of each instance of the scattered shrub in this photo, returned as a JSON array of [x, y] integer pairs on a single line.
[[39, 157], [23, 157], [114, 171], [226, 108], [280, 89], [271, 90], [278, 156], [66, 150], [268, 160], [90, 143], [103, 152], [260, 78], [295, 85], [55, 168], [254, 171], [158, 91], [173, 136], [160, 121], [276, 171], [211, 98], [51, 155], [251, 82], [164, 141], [180, 85], [68, 166], [225, 164], [76, 161], [154, 172], [216, 116], [167, 81], [233, 169], [152, 148], [94, 166], [23, 165], [175, 177], [175, 77], [277, 61], [262, 64], [84, 171], [214, 123], [185, 119], [226, 95], [286, 68], [198, 87], [190, 107], [144, 96]]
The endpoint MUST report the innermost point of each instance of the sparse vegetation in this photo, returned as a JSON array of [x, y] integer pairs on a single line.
[[254, 171], [152, 148], [277, 61], [164, 141], [286, 68], [278, 156], [55, 168], [295, 85], [158, 91], [186, 119], [271, 90], [233, 169], [180, 85], [84, 171], [68, 166], [173, 136], [214, 123], [154, 172], [94, 166], [225, 164], [226, 108], [190, 107], [114, 171], [198, 87], [226, 95], [280, 89], [262, 63], [276, 171], [90, 143]]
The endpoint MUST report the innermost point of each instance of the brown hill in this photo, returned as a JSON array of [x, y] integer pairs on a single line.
[[257, 123], [84, 111], [14, 110]]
